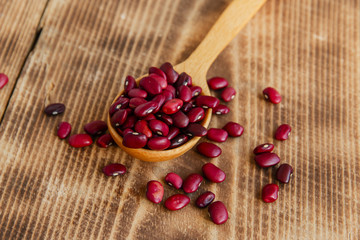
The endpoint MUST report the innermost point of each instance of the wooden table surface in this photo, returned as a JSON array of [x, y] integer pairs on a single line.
[[79, 52]]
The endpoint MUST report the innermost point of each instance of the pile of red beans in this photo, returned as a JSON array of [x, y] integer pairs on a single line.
[[217, 210], [165, 110]]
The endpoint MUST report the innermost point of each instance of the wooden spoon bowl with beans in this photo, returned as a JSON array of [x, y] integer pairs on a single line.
[[231, 21]]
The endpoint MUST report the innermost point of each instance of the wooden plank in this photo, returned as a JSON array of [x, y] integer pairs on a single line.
[[18, 26], [308, 50]]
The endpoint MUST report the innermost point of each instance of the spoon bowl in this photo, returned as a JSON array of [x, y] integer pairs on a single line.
[[231, 21]]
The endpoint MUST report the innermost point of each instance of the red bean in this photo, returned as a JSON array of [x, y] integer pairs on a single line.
[[105, 141], [171, 89], [120, 131], [134, 102], [234, 129], [155, 191], [209, 150], [159, 127], [228, 94], [263, 148], [114, 169], [207, 101], [217, 135], [119, 118], [178, 141], [195, 129], [134, 140], [196, 114], [270, 193], [145, 109], [187, 106], [136, 92], [120, 103], [157, 71], [168, 95], [283, 132], [129, 122], [80, 140], [284, 173], [180, 119], [217, 83], [150, 85], [195, 91], [54, 109], [165, 118], [183, 80], [267, 159], [192, 183], [64, 129], [162, 81], [142, 126], [127, 130], [177, 202], [129, 83], [272, 95], [213, 173], [149, 117], [96, 127], [174, 180], [205, 199], [3, 80], [158, 143], [218, 212], [221, 109], [172, 106], [184, 93], [173, 132], [171, 74]]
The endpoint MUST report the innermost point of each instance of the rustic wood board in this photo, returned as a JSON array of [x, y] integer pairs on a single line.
[[308, 50]]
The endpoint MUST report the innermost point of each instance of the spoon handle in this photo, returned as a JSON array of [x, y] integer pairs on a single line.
[[231, 21]]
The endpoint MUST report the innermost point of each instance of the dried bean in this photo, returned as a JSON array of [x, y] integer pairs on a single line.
[[267, 159], [205, 199], [96, 127], [174, 180], [217, 135], [213, 173], [114, 169], [270, 193], [80, 140], [209, 150], [64, 129], [217, 83], [155, 191], [192, 183], [54, 109], [177, 202], [218, 212], [284, 172], [283, 132], [263, 148], [272, 95]]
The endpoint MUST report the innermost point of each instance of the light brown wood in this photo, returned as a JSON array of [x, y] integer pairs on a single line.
[[308, 50], [17, 35], [231, 21]]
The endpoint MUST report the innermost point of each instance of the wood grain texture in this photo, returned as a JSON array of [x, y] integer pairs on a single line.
[[309, 50], [19, 22]]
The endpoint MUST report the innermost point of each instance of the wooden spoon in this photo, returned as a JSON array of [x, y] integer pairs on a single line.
[[231, 21]]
